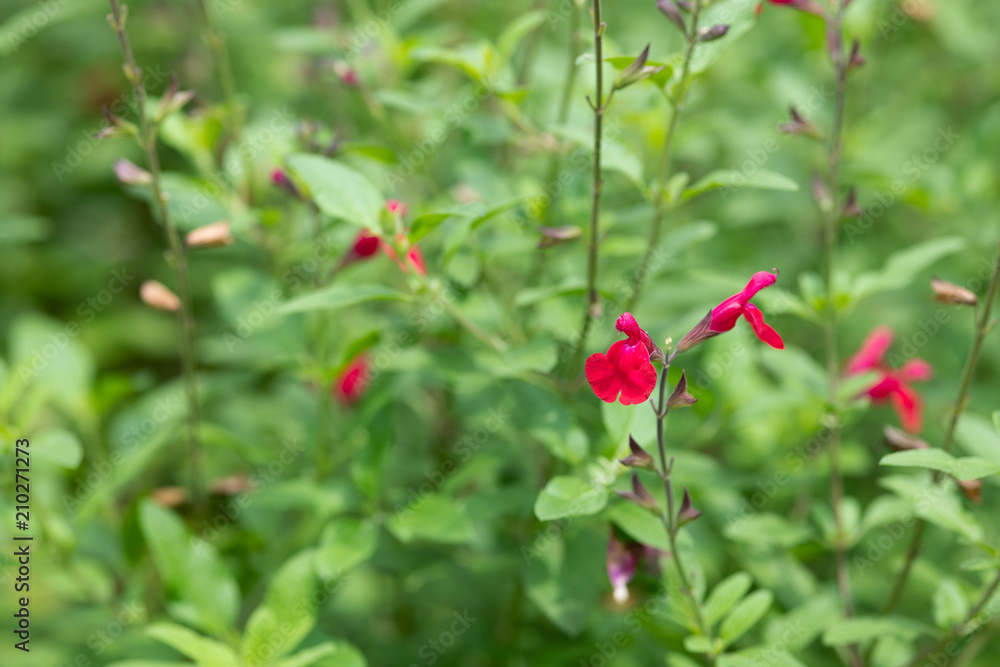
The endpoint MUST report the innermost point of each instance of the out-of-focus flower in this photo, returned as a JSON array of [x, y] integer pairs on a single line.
[[626, 369], [215, 235], [129, 173], [946, 292], [622, 562], [159, 296], [351, 383], [808, 6], [892, 385], [365, 244]]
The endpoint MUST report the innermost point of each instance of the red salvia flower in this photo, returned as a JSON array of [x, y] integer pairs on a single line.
[[724, 315], [396, 207], [365, 244], [350, 385], [892, 385], [625, 369], [414, 258]]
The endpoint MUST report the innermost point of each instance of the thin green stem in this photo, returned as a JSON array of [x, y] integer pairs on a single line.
[[178, 260], [599, 106], [669, 518], [490, 340], [964, 388], [666, 156], [956, 630], [227, 80]]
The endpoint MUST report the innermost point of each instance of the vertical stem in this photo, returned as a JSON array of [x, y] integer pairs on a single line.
[[178, 260], [830, 220], [227, 80], [965, 386], [669, 522], [599, 106], [666, 154]]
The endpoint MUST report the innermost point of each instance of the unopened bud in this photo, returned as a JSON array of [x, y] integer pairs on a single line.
[[972, 488], [173, 99], [669, 9], [215, 235], [799, 124], [555, 235], [637, 71], [169, 496], [901, 441], [129, 173], [117, 127], [856, 59], [680, 398], [700, 333], [230, 486], [851, 208], [639, 495], [639, 458], [347, 74], [821, 194], [946, 292], [687, 512], [158, 296], [713, 33]]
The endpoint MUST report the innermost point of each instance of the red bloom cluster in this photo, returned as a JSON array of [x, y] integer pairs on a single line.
[[626, 368], [367, 244], [892, 385]]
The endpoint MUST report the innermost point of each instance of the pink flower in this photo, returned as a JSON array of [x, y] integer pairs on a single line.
[[625, 369], [622, 561], [396, 207], [892, 385], [350, 385], [808, 6], [414, 258], [724, 315]]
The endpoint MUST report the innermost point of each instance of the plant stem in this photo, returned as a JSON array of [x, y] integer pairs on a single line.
[[599, 106], [965, 386], [956, 630], [830, 220], [178, 260], [227, 80], [666, 154], [668, 518], [492, 341]]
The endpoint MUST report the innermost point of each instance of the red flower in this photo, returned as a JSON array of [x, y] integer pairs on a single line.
[[414, 259], [724, 315], [396, 207], [365, 244], [892, 385], [350, 385], [626, 368]]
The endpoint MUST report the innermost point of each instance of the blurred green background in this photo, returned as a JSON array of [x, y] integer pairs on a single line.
[[68, 228]]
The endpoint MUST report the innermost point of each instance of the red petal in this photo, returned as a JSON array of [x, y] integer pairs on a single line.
[[763, 331], [915, 369], [416, 260], [603, 377], [724, 315], [627, 325], [871, 352], [351, 384], [638, 385], [636, 375], [909, 407], [365, 244]]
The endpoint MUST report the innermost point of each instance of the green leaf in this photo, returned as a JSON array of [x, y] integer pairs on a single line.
[[563, 575], [204, 651], [745, 616], [732, 178], [58, 446], [338, 190], [333, 654], [698, 644], [949, 604], [518, 29], [640, 525], [207, 595], [863, 629], [727, 593], [427, 223], [532, 295], [963, 469], [341, 295], [978, 436], [435, 518], [345, 543], [768, 529], [569, 496], [287, 614], [903, 267]]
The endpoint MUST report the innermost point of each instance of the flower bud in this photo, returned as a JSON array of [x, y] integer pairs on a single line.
[[555, 235], [856, 59], [680, 398], [215, 235], [636, 71], [713, 33], [129, 173], [900, 441], [639, 458], [169, 496], [640, 496], [347, 74], [117, 127], [972, 488], [700, 333], [173, 99], [799, 125], [622, 561], [946, 292], [851, 208], [669, 9], [157, 295], [687, 512]]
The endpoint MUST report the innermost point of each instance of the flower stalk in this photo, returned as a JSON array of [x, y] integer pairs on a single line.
[[177, 258]]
